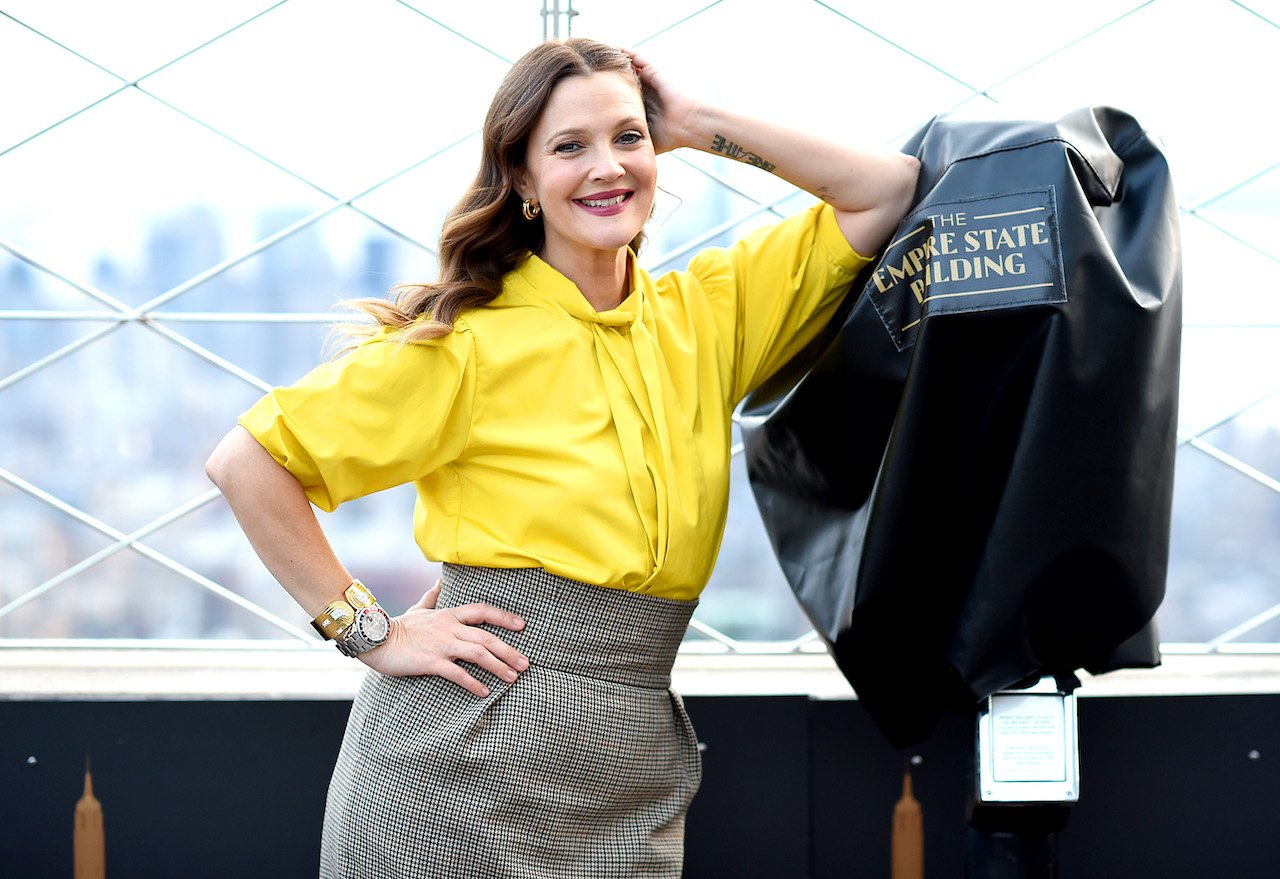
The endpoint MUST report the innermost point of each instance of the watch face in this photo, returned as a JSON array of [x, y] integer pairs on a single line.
[[373, 624]]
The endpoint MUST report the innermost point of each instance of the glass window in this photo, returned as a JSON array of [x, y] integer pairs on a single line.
[[189, 189]]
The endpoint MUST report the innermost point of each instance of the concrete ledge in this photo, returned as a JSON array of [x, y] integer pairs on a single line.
[[288, 670]]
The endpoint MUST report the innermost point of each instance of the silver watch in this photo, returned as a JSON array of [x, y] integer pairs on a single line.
[[368, 630]]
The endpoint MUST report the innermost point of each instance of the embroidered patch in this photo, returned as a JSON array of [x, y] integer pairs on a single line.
[[979, 254]]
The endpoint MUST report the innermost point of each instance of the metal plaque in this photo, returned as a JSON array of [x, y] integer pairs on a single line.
[[1028, 747]]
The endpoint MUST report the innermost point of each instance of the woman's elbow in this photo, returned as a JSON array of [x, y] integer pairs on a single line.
[[868, 229], [905, 178], [228, 457], [898, 196]]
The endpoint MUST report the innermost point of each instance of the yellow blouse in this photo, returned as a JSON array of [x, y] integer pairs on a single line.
[[541, 433]]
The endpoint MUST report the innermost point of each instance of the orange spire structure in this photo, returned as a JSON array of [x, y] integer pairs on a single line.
[[907, 860], [90, 841]]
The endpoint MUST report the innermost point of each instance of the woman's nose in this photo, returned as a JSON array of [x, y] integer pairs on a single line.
[[607, 165]]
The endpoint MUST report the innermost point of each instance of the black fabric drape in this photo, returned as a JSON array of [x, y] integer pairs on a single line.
[[968, 480]]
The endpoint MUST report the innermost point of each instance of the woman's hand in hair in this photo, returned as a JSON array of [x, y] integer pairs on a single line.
[[675, 110], [869, 188], [427, 641]]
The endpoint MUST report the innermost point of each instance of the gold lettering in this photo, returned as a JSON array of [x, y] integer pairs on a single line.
[[943, 220], [916, 262], [1007, 238], [991, 253]]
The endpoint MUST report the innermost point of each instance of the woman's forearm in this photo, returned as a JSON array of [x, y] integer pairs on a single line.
[[869, 189], [848, 178], [276, 516]]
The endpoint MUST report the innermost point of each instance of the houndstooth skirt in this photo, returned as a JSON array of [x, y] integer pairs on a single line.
[[582, 769]]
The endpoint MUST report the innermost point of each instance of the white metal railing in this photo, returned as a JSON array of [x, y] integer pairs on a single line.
[[152, 315]]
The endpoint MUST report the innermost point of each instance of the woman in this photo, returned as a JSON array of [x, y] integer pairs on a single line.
[[566, 421]]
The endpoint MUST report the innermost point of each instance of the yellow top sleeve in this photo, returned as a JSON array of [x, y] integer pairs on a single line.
[[381, 415]]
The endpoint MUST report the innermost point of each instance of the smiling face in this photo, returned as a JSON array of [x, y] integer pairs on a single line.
[[590, 165]]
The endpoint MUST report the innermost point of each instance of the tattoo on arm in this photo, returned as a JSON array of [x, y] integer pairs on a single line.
[[735, 151]]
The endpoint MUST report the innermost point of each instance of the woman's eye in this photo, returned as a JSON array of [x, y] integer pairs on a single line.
[[570, 147], [630, 137]]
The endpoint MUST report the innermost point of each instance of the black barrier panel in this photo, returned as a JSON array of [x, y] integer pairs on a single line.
[[968, 480]]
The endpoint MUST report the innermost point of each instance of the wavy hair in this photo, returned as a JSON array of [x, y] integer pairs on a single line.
[[485, 236]]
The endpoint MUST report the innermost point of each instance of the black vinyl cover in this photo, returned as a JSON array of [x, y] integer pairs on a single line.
[[967, 481]]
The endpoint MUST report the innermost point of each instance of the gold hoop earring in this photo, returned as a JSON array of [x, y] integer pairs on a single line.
[[530, 209]]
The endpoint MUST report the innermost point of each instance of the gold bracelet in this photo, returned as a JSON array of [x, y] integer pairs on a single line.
[[332, 622], [358, 595]]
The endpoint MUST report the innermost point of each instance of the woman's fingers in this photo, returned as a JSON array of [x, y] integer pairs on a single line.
[[475, 614], [499, 657], [637, 60], [481, 649], [451, 671], [466, 651]]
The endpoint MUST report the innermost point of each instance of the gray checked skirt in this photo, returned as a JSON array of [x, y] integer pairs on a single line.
[[582, 769]]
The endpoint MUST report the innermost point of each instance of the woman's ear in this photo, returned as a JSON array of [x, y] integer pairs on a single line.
[[520, 182]]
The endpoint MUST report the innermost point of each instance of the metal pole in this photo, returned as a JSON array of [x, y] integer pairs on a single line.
[[553, 14]]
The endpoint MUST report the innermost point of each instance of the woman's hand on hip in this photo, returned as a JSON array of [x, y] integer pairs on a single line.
[[427, 641]]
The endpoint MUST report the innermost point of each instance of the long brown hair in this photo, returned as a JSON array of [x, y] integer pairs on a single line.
[[485, 235]]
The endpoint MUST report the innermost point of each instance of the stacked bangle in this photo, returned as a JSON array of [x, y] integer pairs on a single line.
[[355, 622]]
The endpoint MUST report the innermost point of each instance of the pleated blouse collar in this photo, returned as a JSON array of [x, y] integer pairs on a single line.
[[546, 287]]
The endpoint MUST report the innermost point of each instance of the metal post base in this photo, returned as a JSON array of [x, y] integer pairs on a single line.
[[998, 855], [1014, 842]]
